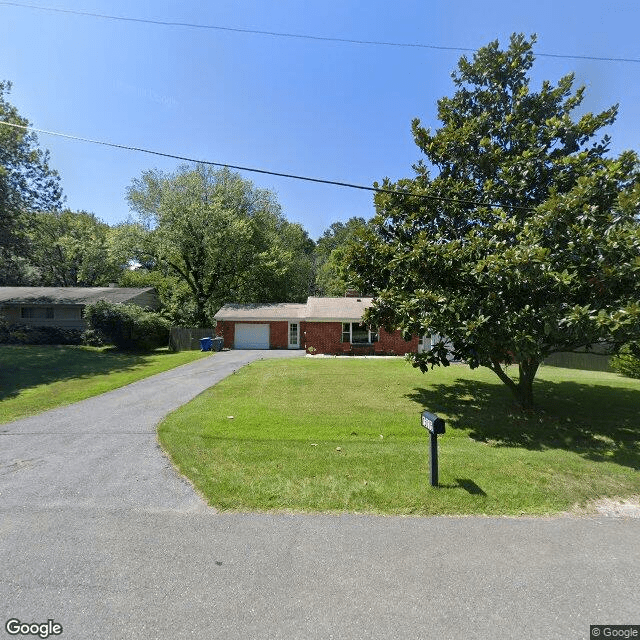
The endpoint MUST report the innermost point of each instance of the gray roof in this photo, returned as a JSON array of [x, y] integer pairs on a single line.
[[315, 310], [69, 295], [266, 311], [348, 309]]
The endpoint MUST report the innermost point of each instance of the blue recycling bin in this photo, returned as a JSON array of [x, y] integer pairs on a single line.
[[205, 344]]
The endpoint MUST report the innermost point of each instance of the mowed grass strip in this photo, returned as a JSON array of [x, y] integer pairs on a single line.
[[37, 378], [340, 435]]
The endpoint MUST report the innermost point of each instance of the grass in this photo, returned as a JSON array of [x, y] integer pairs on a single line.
[[37, 378], [344, 435]]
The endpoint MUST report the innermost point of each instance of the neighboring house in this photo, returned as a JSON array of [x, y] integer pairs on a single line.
[[64, 306], [329, 325]]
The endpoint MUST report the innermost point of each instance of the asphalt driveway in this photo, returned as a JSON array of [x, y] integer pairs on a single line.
[[103, 451], [100, 534]]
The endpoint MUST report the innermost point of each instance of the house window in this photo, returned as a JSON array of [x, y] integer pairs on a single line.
[[358, 333], [37, 313]]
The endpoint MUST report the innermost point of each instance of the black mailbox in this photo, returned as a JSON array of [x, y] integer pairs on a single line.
[[432, 423]]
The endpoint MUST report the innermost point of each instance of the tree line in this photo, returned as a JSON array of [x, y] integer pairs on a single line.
[[518, 235], [202, 237]]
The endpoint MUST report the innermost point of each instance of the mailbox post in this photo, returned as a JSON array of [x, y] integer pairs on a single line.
[[434, 426]]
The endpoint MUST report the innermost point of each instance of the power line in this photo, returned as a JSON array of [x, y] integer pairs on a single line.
[[300, 36], [279, 174]]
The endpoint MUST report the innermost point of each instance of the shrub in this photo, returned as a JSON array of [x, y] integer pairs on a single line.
[[627, 362], [92, 338], [127, 326], [4, 329], [28, 334]]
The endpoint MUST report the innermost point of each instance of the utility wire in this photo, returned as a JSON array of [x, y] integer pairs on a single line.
[[300, 36], [337, 183]]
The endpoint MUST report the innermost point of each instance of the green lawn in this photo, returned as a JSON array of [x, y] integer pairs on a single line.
[[344, 435], [37, 378]]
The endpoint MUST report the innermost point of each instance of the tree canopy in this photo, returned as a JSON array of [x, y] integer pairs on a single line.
[[72, 249], [332, 276], [226, 240], [520, 237], [27, 185]]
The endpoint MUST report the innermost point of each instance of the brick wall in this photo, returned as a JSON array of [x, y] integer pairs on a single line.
[[279, 335], [326, 337], [227, 331], [394, 343]]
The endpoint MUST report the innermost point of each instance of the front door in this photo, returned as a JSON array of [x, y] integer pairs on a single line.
[[294, 335]]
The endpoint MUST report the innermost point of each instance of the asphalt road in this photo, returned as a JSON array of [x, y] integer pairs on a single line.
[[99, 534]]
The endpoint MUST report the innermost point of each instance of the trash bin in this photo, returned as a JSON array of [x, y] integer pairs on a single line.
[[218, 343], [205, 344]]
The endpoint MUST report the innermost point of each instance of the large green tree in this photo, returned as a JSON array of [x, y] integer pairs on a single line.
[[217, 233], [27, 185], [72, 249], [522, 236], [332, 276]]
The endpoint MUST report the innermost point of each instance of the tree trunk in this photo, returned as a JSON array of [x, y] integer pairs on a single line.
[[201, 314], [524, 389]]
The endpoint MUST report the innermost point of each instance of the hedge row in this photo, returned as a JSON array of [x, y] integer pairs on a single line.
[[128, 326], [27, 334]]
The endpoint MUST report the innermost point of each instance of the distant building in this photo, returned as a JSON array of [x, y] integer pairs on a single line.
[[329, 325], [64, 306]]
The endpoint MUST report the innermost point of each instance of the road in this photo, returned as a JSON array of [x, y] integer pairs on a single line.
[[100, 534]]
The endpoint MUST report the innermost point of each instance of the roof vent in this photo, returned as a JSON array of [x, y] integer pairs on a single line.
[[351, 293], [113, 285]]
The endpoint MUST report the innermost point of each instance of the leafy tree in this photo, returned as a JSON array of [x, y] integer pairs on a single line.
[[72, 249], [127, 326], [27, 184], [214, 231], [332, 277], [522, 239], [176, 299], [298, 280]]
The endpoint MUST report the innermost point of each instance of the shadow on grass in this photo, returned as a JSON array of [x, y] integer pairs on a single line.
[[598, 422], [470, 487], [22, 367], [464, 483]]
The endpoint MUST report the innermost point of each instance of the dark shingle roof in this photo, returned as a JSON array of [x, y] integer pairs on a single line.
[[68, 295]]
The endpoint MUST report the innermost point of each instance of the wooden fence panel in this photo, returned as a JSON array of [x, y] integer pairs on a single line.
[[188, 338]]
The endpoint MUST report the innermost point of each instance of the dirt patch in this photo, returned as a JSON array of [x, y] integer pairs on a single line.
[[614, 507]]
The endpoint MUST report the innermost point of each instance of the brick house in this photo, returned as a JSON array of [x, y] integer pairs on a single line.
[[329, 325]]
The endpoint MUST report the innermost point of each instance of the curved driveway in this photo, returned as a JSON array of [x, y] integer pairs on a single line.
[[100, 534], [103, 451]]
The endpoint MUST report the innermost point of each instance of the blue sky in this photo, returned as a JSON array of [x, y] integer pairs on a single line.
[[324, 109]]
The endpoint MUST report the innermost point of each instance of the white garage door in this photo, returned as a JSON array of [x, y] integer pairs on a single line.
[[252, 336]]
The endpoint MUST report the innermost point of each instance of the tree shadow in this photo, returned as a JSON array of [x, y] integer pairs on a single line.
[[23, 367], [599, 422]]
